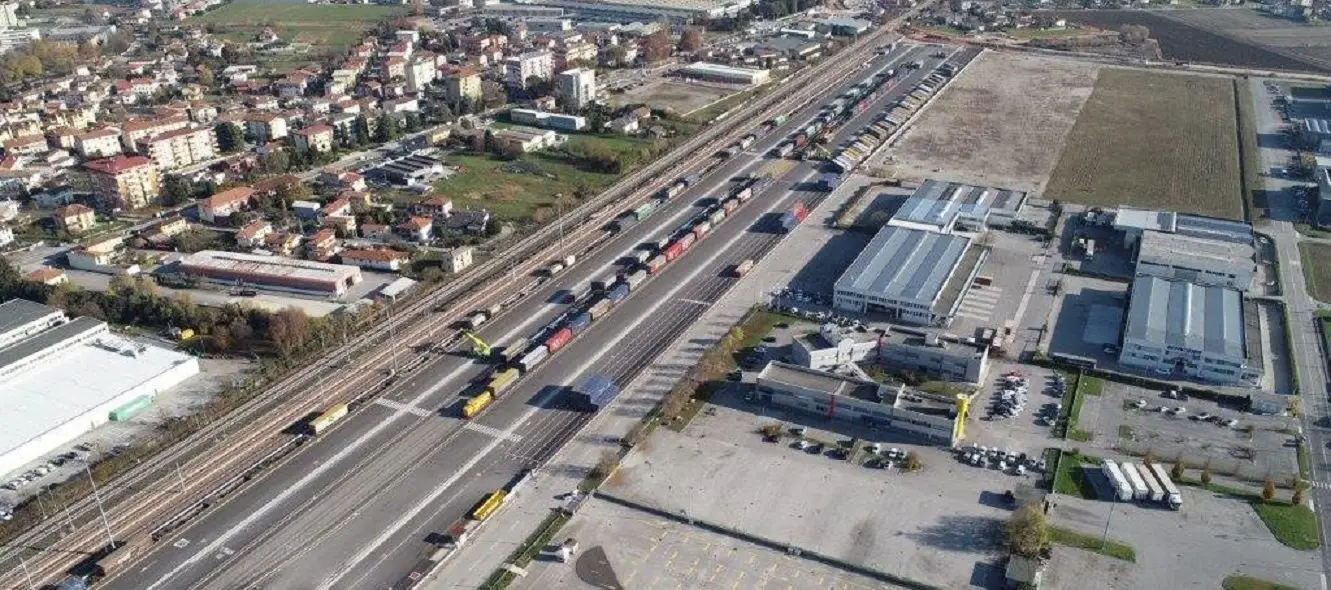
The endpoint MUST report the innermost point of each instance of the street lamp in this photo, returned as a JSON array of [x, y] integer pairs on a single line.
[[106, 525]]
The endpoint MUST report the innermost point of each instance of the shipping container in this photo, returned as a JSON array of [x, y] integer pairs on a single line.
[[717, 216], [744, 194], [579, 322], [131, 408], [476, 404], [595, 393], [489, 505], [501, 381], [599, 309], [655, 264], [729, 205], [513, 351], [743, 267], [557, 340], [779, 120], [644, 210], [635, 278], [672, 251], [701, 228], [786, 149], [618, 293], [692, 179], [640, 256], [533, 357], [554, 268], [687, 240]]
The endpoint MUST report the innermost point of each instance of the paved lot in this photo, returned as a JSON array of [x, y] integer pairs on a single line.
[[1025, 433], [938, 525], [1255, 447], [643, 551], [1072, 313]]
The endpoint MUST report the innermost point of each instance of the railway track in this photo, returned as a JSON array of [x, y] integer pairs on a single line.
[[253, 430]]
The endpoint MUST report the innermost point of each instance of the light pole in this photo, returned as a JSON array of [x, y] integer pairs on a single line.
[[106, 525], [26, 573]]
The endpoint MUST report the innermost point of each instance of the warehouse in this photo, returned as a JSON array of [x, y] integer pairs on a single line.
[[711, 72], [272, 272], [911, 275], [859, 401], [61, 379], [940, 207], [1179, 328], [1194, 248], [628, 11]]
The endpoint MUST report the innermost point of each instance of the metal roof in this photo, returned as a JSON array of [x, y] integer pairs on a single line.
[[45, 339], [1213, 228], [904, 264], [1186, 315], [1317, 126], [1188, 250], [16, 313], [1128, 217]]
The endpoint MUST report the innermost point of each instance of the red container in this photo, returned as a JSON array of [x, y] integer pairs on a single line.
[[559, 339], [673, 251], [799, 211], [687, 240], [655, 264]]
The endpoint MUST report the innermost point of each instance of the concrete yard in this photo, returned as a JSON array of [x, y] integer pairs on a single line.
[[644, 551], [937, 526], [1002, 122], [681, 97]]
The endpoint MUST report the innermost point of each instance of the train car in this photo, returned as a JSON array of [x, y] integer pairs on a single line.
[[717, 216], [656, 263], [532, 358], [644, 210], [600, 308], [476, 404], [489, 505], [513, 351], [327, 418], [729, 205], [701, 228], [671, 252], [687, 240], [635, 278], [501, 381], [579, 322], [640, 256], [557, 340], [619, 293]]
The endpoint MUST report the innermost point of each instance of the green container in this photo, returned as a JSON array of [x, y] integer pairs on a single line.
[[131, 408]]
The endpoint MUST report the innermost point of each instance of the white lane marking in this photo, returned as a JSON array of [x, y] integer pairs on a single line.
[[401, 407], [432, 499], [492, 431], [695, 302]]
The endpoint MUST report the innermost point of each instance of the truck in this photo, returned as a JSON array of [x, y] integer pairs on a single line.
[[1119, 483], [1172, 496], [557, 340], [1139, 489], [1155, 492], [325, 419], [476, 404], [743, 267]]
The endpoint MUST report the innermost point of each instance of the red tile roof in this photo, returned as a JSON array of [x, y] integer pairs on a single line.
[[239, 194], [114, 166]]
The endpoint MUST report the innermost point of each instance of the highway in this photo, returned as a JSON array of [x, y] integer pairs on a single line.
[[352, 510]]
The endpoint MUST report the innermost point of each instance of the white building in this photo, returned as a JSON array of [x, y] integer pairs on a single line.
[[901, 349], [1203, 250], [911, 275], [577, 87], [61, 378], [722, 73], [1182, 329], [533, 64]]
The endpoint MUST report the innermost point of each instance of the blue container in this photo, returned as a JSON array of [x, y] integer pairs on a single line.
[[619, 293], [579, 322]]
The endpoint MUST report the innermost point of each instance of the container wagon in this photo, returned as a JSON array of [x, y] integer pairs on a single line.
[[644, 210], [489, 505], [786, 149], [557, 340], [327, 418], [1172, 496], [600, 308], [692, 179], [579, 322], [501, 381], [686, 240], [730, 204], [476, 405], [513, 351], [640, 256], [794, 217], [1139, 489], [619, 293], [1122, 490], [635, 278], [701, 229], [656, 263], [671, 252], [533, 357]]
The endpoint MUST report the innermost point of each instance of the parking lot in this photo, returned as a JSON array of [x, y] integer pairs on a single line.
[[1133, 420], [1029, 431], [938, 525], [621, 547]]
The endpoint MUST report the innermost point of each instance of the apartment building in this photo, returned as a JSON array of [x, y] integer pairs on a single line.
[[102, 143], [318, 137], [533, 64], [128, 182], [180, 148], [577, 87]]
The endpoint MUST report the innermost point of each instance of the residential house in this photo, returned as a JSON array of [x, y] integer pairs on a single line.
[[376, 231], [75, 218], [26, 145], [322, 245], [416, 229], [265, 127], [253, 234], [222, 205], [133, 132], [433, 207], [317, 137], [394, 67], [463, 84], [124, 181], [281, 243], [520, 69], [456, 260], [47, 276], [162, 231], [378, 259]]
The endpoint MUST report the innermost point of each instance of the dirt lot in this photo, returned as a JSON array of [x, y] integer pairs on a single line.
[[1001, 123], [1307, 43], [1181, 153], [1181, 41], [682, 98]]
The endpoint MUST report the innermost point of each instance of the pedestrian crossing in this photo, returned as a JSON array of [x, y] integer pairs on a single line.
[[979, 302], [1322, 485], [491, 431], [401, 407]]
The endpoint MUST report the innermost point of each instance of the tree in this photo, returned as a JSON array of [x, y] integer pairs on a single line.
[[691, 39], [606, 465], [1206, 474], [1026, 533], [230, 137], [492, 94], [656, 46], [1296, 498], [89, 308], [912, 462], [195, 239], [1134, 34], [276, 162], [206, 76], [771, 430], [387, 129], [1148, 458], [289, 331], [1268, 490], [176, 190], [413, 122], [362, 130], [1176, 471]]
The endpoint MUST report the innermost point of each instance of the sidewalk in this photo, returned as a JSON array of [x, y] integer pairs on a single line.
[[503, 533]]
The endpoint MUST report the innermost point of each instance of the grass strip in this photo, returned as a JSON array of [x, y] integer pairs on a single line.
[[1094, 544]]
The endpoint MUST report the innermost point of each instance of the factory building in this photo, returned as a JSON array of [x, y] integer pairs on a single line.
[[940, 207], [860, 402], [628, 11], [61, 377], [932, 356], [1193, 248], [271, 272], [1204, 332], [911, 275], [711, 72]]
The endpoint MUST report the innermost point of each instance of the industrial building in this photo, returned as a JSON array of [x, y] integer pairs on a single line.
[[548, 120], [721, 73], [414, 170], [1204, 332], [1194, 248], [912, 275], [929, 355], [627, 11], [271, 272], [862, 402], [940, 207], [61, 377]]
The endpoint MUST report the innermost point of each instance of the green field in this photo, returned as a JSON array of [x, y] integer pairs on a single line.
[[326, 25], [515, 191], [1316, 262], [1294, 526], [1241, 582], [1154, 140]]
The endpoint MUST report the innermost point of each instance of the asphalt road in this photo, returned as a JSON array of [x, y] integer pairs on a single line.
[[352, 509]]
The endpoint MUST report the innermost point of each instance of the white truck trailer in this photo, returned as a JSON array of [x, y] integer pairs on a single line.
[[1122, 490], [1172, 496], [1135, 479]]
